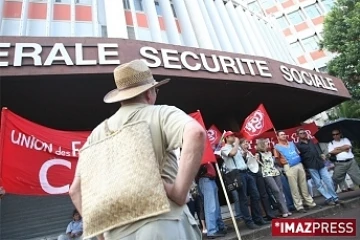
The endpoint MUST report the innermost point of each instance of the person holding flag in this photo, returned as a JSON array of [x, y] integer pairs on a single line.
[[231, 153]]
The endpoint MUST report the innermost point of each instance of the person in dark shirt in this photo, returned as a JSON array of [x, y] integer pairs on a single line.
[[314, 162]]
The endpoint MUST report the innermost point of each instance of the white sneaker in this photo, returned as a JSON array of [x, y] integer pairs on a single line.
[[285, 215], [204, 231], [289, 213]]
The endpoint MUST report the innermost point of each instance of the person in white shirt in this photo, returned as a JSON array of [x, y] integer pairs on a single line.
[[345, 162]]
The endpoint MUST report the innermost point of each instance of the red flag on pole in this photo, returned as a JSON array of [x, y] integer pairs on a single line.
[[208, 152], [214, 136], [256, 123]]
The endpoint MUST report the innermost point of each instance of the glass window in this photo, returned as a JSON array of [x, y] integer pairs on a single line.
[[126, 4], [328, 4], [282, 1], [296, 49], [104, 31], [311, 43], [131, 32], [138, 5], [158, 8], [267, 3], [312, 11], [283, 22], [296, 17], [323, 69], [173, 9], [254, 7]]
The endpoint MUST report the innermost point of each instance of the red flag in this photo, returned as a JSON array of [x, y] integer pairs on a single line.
[[208, 152], [214, 136], [256, 123], [36, 160]]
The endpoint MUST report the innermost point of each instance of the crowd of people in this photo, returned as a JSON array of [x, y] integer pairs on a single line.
[[276, 180], [117, 204]]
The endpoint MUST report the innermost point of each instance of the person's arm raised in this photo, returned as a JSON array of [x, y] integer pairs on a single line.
[[192, 150]]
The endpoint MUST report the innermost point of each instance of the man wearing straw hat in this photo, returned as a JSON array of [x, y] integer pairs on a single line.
[[120, 212]]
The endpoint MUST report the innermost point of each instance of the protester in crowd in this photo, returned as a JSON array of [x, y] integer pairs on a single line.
[[345, 162], [170, 128], [238, 215], [253, 167], [208, 188], [287, 155], [231, 153], [286, 187], [196, 206], [313, 160], [74, 230], [271, 175]]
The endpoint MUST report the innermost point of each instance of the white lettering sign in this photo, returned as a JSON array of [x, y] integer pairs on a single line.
[[307, 78], [43, 173], [172, 59], [59, 54]]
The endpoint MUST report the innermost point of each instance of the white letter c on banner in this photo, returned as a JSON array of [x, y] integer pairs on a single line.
[[45, 185]]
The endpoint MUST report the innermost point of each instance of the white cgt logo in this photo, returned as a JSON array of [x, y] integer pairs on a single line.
[[212, 135], [255, 123]]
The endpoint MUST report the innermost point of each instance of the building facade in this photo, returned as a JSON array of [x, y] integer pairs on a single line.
[[219, 25], [301, 22]]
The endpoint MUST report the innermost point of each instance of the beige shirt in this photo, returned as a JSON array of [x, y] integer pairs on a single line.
[[167, 125]]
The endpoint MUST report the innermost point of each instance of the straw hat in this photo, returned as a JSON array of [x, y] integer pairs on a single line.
[[132, 79]]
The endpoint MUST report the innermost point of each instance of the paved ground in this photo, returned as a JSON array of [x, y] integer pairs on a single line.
[[348, 213], [264, 232]]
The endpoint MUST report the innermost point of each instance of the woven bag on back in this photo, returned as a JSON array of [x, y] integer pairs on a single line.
[[120, 180]]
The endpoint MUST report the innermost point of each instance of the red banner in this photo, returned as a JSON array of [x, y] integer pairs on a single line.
[[36, 160], [208, 152], [256, 123], [271, 138]]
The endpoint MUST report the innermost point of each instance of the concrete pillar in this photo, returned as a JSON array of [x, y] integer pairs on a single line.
[[198, 22], [72, 18], [218, 26], [249, 33], [153, 20], [170, 23], [229, 27], [239, 29], [115, 19], [49, 16], [24, 17], [209, 26], [187, 29]]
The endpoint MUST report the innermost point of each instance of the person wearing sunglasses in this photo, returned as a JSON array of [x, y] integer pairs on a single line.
[[314, 161], [345, 162]]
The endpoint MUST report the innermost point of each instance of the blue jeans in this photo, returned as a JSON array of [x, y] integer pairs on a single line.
[[238, 213], [287, 193], [213, 219], [249, 188], [323, 174]]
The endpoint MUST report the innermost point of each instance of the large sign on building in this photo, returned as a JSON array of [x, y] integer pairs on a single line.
[[37, 56]]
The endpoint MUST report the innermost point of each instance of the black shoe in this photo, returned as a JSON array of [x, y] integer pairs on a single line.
[[262, 223], [339, 202], [223, 231], [329, 202], [252, 226], [216, 235], [302, 211]]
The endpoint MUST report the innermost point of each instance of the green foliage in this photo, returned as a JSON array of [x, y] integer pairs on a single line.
[[349, 109], [342, 36]]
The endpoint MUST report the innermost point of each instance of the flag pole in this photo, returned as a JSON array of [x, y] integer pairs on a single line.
[[226, 196]]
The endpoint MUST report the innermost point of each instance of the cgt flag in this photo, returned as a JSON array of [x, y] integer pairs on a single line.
[[256, 123], [214, 136], [208, 155]]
